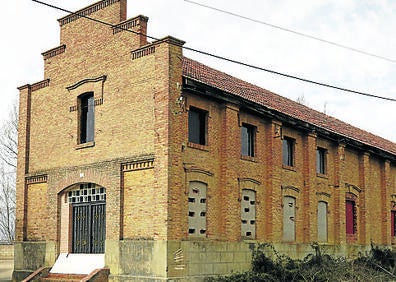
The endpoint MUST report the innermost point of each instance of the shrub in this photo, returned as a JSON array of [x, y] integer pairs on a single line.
[[268, 265]]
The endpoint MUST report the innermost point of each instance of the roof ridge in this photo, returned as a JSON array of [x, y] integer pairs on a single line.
[[243, 89]]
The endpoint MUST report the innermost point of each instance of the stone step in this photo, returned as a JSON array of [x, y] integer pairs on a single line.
[[55, 277]]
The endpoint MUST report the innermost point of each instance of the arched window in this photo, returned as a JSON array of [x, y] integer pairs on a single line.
[[289, 219], [197, 209], [351, 217], [322, 221]]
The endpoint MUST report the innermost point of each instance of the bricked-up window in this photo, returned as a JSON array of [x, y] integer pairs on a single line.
[[248, 214], [247, 140], [393, 225], [322, 221], [288, 151], [321, 160], [197, 209], [197, 126], [289, 219], [87, 117], [351, 217]]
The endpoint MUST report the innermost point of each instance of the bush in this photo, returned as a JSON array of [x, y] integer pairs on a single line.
[[268, 265]]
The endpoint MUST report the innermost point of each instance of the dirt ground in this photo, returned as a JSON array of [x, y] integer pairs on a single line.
[[6, 267]]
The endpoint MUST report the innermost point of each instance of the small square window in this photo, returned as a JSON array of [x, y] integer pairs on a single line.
[[288, 151]]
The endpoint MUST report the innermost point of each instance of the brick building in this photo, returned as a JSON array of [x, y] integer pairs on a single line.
[[165, 168]]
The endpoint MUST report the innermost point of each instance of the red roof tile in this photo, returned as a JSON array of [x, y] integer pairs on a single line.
[[220, 80]]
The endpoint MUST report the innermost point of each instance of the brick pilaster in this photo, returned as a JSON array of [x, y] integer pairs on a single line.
[[339, 196], [309, 191], [23, 160], [386, 189], [364, 213], [274, 191], [168, 74], [177, 121], [229, 153]]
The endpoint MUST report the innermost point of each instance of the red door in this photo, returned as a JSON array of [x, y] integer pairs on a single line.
[[350, 220]]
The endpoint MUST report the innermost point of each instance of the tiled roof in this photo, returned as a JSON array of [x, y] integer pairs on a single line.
[[229, 84]]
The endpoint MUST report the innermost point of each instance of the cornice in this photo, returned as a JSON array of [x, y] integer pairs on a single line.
[[129, 24], [86, 11], [144, 51], [138, 165], [54, 52], [35, 86], [36, 179]]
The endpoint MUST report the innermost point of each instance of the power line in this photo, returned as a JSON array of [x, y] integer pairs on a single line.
[[294, 32], [224, 58]]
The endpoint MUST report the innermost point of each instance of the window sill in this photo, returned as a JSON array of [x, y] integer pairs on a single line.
[[198, 146], [248, 158], [248, 239], [197, 237], [351, 238], [85, 145], [292, 168], [321, 175]]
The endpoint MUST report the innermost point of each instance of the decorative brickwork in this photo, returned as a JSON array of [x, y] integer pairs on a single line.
[[86, 11], [138, 165], [54, 52], [129, 24], [37, 179], [145, 51], [40, 85], [87, 80]]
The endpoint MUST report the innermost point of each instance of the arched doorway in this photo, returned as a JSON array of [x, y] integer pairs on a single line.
[[87, 203]]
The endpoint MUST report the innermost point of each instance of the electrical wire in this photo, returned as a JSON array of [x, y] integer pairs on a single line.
[[225, 58], [294, 32]]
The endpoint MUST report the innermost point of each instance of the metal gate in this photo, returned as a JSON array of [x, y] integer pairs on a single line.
[[89, 227]]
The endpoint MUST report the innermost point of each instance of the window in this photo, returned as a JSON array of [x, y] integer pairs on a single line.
[[247, 140], [248, 214], [197, 126], [321, 160], [288, 151], [393, 225], [87, 117], [350, 212], [197, 209], [322, 221], [87, 192]]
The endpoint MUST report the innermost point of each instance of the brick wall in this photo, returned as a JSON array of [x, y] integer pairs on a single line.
[[132, 85], [138, 204], [37, 212], [220, 165]]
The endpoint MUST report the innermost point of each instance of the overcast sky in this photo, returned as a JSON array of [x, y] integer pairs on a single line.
[[28, 29]]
